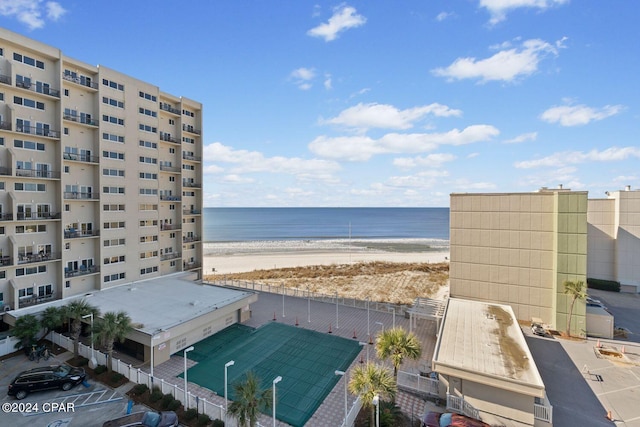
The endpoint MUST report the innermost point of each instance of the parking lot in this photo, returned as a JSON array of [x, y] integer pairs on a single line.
[[80, 406]]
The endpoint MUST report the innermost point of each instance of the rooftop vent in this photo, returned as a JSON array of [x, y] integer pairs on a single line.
[[627, 188]]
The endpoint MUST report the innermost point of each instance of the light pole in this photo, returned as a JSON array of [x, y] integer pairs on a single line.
[[275, 381], [93, 362], [337, 327], [376, 402], [394, 315], [346, 408], [364, 344], [226, 406], [368, 323], [308, 305], [282, 299], [186, 396]]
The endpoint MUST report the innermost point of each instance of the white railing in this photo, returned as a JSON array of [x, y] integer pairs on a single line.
[[137, 376], [418, 383], [461, 406], [8, 345], [353, 413], [543, 412]]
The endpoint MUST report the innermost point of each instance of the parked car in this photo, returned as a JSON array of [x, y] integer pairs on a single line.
[[145, 419], [45, 378], [538, 329]]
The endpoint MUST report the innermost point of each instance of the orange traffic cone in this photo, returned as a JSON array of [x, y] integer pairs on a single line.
[[274, 316], [330, 328], [609, 416], [598, 344], [354, 334], [622, 350]]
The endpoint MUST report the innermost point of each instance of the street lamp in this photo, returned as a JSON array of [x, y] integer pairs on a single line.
[[346, 409], [308, 305], [376, 402], [93, 362], [381, 325], [283, 299], [337, 327], [186, 396], [364, 344], [226, 407], [275, 381]]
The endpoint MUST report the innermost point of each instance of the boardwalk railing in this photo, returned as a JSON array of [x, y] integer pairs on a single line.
[[418, 383], [398, 309], [461, 406], [543, 412]]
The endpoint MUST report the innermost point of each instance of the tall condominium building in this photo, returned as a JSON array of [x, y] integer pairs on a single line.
[[614, 238], [519, 249], [100, 177]]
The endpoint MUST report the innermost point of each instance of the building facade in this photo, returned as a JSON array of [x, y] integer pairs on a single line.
[[100, 177], [614, 238], [519, 249]]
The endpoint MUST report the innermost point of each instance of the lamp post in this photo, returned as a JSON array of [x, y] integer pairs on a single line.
[[186, 396], [394, 315], [346, 408], [226, 406], [368, 323], [275, 381], [337, 327], [364, 344], [376, 402], [283, 299], [308, 305], [93, 362]]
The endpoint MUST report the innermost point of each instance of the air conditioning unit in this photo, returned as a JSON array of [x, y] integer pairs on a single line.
[[7, 308]]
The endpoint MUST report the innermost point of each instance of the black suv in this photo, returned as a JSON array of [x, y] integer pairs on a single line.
[[61, 376]]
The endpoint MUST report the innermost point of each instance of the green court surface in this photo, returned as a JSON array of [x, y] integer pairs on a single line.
[[306, 360]]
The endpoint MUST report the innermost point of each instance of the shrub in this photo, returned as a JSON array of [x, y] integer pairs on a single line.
[[174, 405], [116, 377], [139, 389], [218, 423], [155, 395], [100, 369], [203, 419], [190, 414], [604, 285], [166, 400]]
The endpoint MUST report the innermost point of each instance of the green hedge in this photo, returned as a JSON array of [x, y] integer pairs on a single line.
[[604, 285]]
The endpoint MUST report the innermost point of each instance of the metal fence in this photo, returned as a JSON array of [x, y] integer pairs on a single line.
[[418, 383]]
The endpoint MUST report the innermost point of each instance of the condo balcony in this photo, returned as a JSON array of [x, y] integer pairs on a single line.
[[170, 255], [32, 300], [189, 239], [192, 265], [81, 119], [191, 212], [33, 130], [39, 88], [79, 195], [167, 168], [5, 79], [29, 216], [190, 129], [5, 126], [80, 157], [81, 271], [39, 257], [37, 173], [170, 198], [169, 227], [168, 138], [5, 171], [82, 81], [191, 184], [6, 260], [72, 233], [192, 158], [166, 107], [6, 217]]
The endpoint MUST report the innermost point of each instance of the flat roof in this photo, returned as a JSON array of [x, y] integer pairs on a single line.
[[156, 304], [483, 342]]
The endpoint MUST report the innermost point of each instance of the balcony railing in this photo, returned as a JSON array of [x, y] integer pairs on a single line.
[[189, 239], [190, 129], [33, 130], [78, 195], [21, 216], [191, 184], [192, 265], [168, 138], [35, 300], [5, 125], [169, 108], [72, 233], [6, 260], [5, 79], [80, 119], [80, 157], [6, 217], [36, 173], [169, 227], [168, 168], [191, 157], [40, 257], [45, 90], [83, 270], [81, 82], [191, 211], [5, 171], [170, 198], [170, 255]]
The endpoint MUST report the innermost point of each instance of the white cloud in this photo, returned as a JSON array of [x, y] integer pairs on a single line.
[[237, 179], [302, 77], [531, 136], [467, 185], [327, 82], [366, 116], [506, 65], [344, 17], [564, 158], [362, 148], [430, 161], [575, 115], [444, 15], [499, 8], [30, 12]]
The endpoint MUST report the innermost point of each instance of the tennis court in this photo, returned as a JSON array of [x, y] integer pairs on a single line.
[[306, 360]]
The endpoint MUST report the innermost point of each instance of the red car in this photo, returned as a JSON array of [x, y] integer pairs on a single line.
[[436, 419]]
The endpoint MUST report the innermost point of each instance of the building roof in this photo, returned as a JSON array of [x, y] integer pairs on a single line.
[[155, 304], [483, 342]]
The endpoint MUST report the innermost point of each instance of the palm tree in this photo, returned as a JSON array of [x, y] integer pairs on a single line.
[[26, 329], [397, 344], [369, 380], [249, 400], [113, 326], [575, 290], [75, 310], [52, 317]]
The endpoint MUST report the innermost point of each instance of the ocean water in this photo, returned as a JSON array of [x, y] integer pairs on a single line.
[[226, 225]]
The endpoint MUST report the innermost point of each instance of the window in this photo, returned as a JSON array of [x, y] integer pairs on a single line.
[[147, 175], [113, 208], [113, 172], [148, 239], [113, 85], [45, 290], [67, 283], [149, 223], [148, 96], [172, 122], [150, 160], [66, 92], [28, 145], [148, 254], [148, 144], [25, 293], [67, 207], [189, 167], [114, 259], [114, 242], [188, 113], [26, 102], [112, 119], [113, 190], [148, 207], [112, 102], [28, 60], [31, 228], [29, 186], [114, 277], [113, 155], [113, 224], [147, 112], [113, 138], [148, 270], [66, 131], [148, 191], [147, 128], [66, 169], [172, 179], [188, 140]]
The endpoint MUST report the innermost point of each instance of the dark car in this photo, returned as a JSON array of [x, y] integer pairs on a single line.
[[45, 378]]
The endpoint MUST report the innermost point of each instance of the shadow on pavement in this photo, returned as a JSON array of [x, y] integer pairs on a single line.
[[573, 401]]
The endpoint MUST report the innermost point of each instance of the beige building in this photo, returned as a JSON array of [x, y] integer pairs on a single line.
[[614, 238], [519, 249], [100, 177]]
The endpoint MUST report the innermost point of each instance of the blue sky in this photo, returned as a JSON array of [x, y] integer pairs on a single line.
[[378, 103]]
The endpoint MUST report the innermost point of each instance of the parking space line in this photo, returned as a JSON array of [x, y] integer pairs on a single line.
[[619, 390]]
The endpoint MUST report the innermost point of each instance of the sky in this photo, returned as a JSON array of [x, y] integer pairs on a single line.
[[378, 103]]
